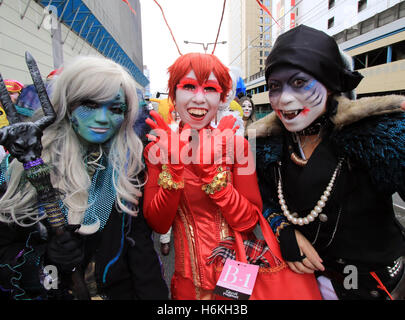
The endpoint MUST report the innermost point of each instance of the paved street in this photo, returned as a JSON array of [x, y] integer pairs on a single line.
[[167, 261]]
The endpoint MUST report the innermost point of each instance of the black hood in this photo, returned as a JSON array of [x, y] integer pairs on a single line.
[[316, 53]]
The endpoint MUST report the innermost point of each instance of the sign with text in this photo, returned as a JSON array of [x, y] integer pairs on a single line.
[[237, 280]]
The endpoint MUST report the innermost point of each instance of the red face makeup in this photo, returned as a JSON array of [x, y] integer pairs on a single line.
[[193, 86], [197, 104]]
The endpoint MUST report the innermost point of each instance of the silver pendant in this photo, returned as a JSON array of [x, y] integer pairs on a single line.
[[323, 217]]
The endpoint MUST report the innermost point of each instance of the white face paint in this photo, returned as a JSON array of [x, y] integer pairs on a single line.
[[297, 97], [247, 109], [197, 104]]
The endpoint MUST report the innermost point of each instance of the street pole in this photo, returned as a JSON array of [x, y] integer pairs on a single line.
[[205, 45]]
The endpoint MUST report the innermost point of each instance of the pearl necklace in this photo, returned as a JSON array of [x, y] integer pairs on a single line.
[[317, 211]]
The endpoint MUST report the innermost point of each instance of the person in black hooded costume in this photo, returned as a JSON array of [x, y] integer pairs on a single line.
[[328, 166]]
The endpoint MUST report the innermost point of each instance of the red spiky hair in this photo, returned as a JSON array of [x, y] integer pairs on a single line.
[[203, 65]]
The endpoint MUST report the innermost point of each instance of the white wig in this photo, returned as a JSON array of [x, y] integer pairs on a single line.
[[85, 78]]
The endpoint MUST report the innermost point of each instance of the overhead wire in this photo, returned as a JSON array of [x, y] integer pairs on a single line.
[[314, 12], [264, 31]]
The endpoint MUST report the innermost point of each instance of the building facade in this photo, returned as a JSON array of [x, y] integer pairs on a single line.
[[54, 31], [249, 35], [371, 31]]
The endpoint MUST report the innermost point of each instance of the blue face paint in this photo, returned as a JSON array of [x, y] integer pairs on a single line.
[[98, 123], [311, 85]]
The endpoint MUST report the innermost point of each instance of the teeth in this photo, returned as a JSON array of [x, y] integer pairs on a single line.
[[295, 112], [198, 112]]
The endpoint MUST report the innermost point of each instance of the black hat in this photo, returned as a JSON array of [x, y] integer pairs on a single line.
[[316, 53]]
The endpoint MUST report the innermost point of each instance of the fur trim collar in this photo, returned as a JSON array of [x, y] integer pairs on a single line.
[[348, 111]]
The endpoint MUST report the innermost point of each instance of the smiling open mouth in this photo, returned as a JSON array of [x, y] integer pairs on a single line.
[[198, 113], [290, 114]]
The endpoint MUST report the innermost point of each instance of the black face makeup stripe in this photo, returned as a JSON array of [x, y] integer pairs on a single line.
[[320, 101], [313, 92], [316, 98]]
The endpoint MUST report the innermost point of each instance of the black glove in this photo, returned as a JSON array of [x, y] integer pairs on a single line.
[[66, 250], [289, 246]]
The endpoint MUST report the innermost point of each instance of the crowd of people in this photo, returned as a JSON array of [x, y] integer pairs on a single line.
[[90, 172]]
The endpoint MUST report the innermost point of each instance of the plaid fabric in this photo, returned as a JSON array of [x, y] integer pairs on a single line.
[[255, 252]]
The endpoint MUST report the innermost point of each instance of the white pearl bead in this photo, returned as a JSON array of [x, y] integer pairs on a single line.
[[293, 218], [321, 203]]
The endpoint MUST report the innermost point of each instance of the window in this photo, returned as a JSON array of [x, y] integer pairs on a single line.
[[267, 20], [331, 22], [377, 57], [361, 5], [331, 4], [372, 58], [398, 51], [261, 20], [266, 36], [266, 53], [267, 3], [261, 29]]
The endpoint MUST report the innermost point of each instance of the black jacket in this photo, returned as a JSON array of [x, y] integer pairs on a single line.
[[361, 229], [133, 273]]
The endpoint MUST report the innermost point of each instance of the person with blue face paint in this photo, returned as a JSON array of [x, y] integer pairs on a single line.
[[327, 167], [95, 156], [98, 123]]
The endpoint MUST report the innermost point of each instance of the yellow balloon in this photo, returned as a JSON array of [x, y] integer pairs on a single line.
[[3, 117]]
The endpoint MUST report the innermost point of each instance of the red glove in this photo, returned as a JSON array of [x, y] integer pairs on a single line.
[[216, 148], [166, 145], [240, 200]]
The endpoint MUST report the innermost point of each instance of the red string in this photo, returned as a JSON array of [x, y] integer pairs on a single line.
[[381, 286], [132, 9], [219, 28], [267, 10], [168, 27]]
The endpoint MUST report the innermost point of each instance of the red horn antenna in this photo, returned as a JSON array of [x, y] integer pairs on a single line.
[[219, 28], [168, 27]]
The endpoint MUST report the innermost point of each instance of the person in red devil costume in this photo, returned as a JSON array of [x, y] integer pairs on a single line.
[[203, 200]]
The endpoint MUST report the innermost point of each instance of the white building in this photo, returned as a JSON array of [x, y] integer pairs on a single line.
[[371, 31], [54, 31]]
